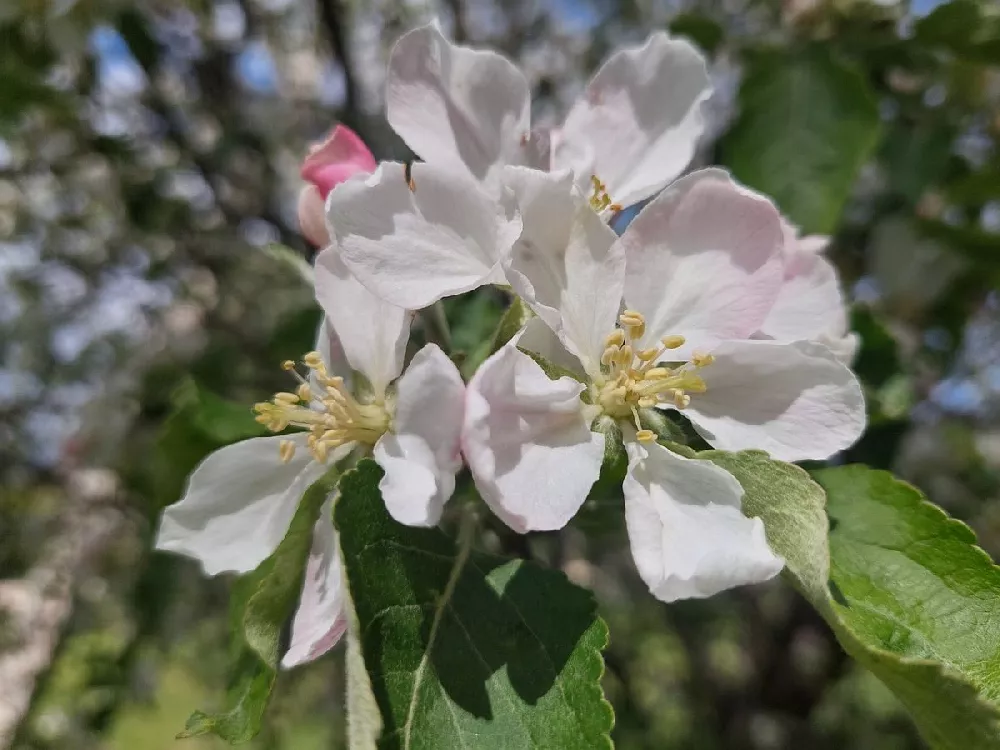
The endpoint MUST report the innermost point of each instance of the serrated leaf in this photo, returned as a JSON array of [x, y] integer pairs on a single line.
[[891, 556], [262, 604], [807, 124], [466, 650]]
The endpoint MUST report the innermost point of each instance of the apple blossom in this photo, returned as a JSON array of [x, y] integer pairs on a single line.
[[340, 156], [699, 270], [239, 502], [636, 125]]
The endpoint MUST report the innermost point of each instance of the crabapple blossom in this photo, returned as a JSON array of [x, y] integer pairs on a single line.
[[698, 272], [239, 502]]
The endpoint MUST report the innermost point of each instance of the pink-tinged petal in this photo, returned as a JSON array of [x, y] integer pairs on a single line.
[[371, 332], [638, 123], [421, 454], [342, 155], [688, 536], [412, 243], [704, 261], [527, 442], [457, 107], [320, 619], [237, 504], [566, 265], [796, 401], [312, 216], [538, 337], [809, 303]]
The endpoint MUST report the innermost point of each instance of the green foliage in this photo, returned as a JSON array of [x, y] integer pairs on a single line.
[[807, 124], [464, 648], [262, 604], [965, 28], [903, 587]]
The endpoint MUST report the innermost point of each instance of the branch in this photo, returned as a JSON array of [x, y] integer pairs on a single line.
[[35, 609], [332, 13]]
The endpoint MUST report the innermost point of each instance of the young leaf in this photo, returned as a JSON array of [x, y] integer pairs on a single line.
[[898, 563], [262, 604], [807, 124], [465, 650]]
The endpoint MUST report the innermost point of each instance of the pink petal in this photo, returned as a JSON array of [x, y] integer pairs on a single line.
[[340, 156]]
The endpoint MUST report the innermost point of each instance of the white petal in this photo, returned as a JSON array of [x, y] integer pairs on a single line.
[[687, 533], [637, 124], [809, 303], [704, 260], [413, 247], [566, 264], [421, 455], [238, 504], [372, 332], [320, 620], [795, 401], [458, 107], [537, 337], [332, 352], [527, 442]]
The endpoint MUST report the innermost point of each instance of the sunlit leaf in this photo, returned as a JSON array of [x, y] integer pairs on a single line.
[[466, 650]]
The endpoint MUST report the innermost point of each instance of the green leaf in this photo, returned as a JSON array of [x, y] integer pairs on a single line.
[[706, 32], [807, 124], [966, 28], [907, 594], [467, 650], [261, 606]]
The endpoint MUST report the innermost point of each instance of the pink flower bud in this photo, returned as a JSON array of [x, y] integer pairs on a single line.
[[342, 155]]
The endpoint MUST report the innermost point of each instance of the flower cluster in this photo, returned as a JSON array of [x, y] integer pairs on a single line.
[[708, 304]]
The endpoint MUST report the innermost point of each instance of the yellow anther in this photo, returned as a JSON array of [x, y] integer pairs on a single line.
[[647, 355], [314, 361], [283, 398], [658, 372], [647, 401], [304, 392], [286, 449], [615, 339], [288, 365], [702, 360], [623, 356], [681, 399], [645, 436], [672, 342], [632, 319]]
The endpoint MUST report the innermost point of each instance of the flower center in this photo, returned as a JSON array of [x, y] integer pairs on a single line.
[[599, 199], [634, 378], [332, 414]]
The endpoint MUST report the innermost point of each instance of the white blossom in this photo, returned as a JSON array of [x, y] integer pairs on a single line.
[[698, 271], [239, 502]]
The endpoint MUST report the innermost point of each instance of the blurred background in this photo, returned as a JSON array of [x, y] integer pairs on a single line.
[[149, 158]]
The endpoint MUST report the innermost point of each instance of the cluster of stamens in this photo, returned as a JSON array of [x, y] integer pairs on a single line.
[[634, 380], [599, 199], [331, 413]]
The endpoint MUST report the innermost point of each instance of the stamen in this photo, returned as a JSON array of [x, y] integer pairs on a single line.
[[702, 360], [673, 342], [645, 436], [330, 413]]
